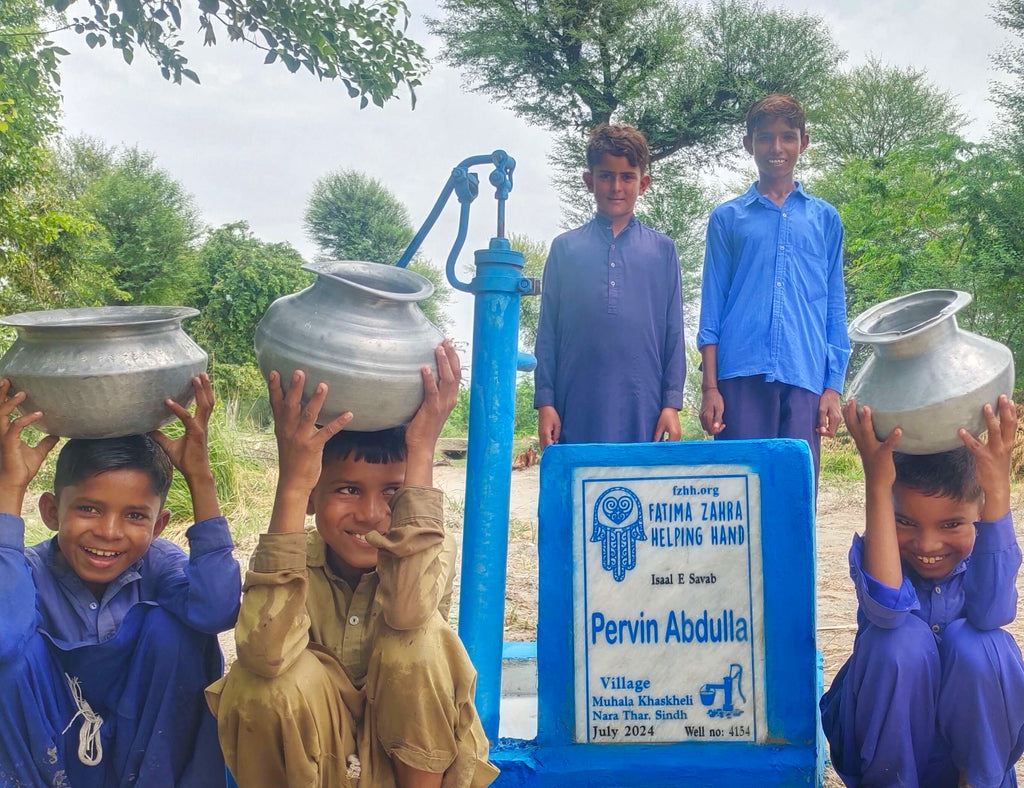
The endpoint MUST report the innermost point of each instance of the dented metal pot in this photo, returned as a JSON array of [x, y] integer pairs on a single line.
[[102, 372], [927, 375], [357, 328]]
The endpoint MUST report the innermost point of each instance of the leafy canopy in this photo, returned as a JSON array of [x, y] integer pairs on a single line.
[[362, 43]]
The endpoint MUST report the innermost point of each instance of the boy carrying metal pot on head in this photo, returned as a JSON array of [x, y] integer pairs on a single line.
[[108, 635], [933, 694], [348, 673]]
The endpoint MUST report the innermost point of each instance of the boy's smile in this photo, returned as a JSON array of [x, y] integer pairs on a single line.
[[935, 533], [776, 146], [616, 185], [350, 500], [105, 523]]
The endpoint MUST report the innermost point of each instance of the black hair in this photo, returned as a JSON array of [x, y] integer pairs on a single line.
[[378, 448], [951, 474], [83, 458]]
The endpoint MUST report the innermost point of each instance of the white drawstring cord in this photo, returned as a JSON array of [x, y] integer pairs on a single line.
[[90, 748]]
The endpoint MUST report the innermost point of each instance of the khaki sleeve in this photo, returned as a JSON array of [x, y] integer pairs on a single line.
[[409, 562], [273, 625], [449, 563]]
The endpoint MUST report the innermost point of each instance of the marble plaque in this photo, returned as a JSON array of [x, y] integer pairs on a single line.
[[668, 604]]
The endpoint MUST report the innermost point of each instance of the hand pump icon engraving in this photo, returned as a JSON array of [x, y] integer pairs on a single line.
[[733, 679]]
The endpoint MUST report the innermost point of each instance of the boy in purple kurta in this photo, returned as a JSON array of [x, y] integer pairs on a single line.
[[610, 354], [933, 694]]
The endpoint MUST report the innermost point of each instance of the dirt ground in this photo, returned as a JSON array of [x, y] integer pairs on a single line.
[[840, 514]]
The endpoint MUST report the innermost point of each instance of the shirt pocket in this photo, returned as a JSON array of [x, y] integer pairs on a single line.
[[810, 269]]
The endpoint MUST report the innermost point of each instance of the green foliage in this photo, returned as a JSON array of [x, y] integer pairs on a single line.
[[352, 216], [361, 43], [874, 110], [525, 422], [240, 276], [150, 223], [457, 425], [684, 74], [535, 254], [41, 233], [243, 391]]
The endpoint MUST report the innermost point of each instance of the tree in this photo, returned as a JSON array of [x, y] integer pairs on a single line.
[[240, 277], [535, 255], [352, 216], [42, 233], [876, 109], [1009, 95], [684, 74], [150, 222], [362, 43]]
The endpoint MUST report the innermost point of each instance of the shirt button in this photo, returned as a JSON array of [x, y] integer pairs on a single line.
[[938, 590], [778, 284], [613, 265], [611, 246], [613, 284], [781, 247], [93, 605], [353, 620], [784, 215], [935, 627]]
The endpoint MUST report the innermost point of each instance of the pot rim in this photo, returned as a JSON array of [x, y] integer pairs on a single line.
[[859, 330], [409, 286], [99, 317]]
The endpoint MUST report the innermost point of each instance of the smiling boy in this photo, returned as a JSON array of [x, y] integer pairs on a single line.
[[348, 673], [772, 331], [610, 353], [933, 694], [108, 636]]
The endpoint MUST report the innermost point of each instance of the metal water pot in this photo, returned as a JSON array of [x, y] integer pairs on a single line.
[[927, 375], [357, 328], [102, 372]]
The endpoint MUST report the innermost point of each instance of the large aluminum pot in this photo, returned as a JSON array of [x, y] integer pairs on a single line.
[[358, 329], [927, 375], [102, 372]]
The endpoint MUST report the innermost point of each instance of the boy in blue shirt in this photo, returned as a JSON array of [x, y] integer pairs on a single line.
[[773, 312], [933, 694], [610, 354], [108, 636]]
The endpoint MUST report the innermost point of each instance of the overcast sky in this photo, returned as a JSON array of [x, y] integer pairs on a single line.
[[250, 141]]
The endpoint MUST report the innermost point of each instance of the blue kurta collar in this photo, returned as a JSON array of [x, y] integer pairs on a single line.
[[606, 224], [59, 567]]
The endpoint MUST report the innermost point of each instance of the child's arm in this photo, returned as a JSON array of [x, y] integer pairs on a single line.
[[837, 350], [273, 625], [19, 463], [549, 424], [990, 580], [410, 561], [673, 373], [712, 406], [204, 589], [714, 289], [881, 546]]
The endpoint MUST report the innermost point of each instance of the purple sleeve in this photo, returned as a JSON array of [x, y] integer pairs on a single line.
[[674, 372], [17, 590], [546, 347], [990, 579], [881, 605], [202, 589]]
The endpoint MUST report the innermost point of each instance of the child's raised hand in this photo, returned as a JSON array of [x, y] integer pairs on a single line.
[[439, 400], [19, 462], [190, 452], [300, 441], [875, 455], [993, 458]]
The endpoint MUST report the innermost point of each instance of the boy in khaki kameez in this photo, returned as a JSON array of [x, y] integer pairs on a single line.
[[348, 673]]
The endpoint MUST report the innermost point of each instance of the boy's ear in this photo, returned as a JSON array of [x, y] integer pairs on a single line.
[[748, 144], [48, 510], [161, 522], [645, 181], [588, 178], [805, 140]]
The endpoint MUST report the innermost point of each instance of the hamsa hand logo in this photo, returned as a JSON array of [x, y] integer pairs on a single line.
[[618, 525]]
